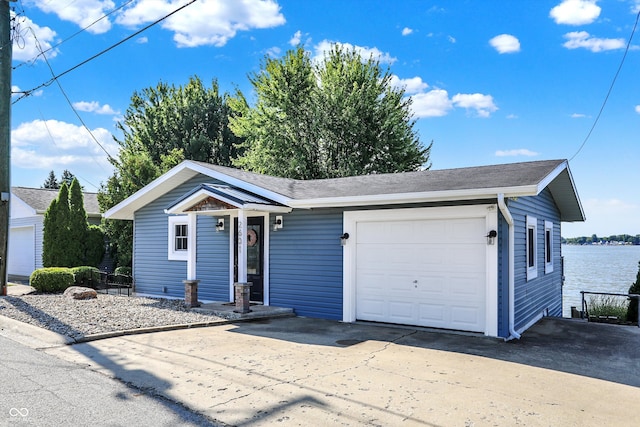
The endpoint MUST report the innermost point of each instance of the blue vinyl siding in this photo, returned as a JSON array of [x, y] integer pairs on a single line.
[[544, 293], [503, 276], [306, 263], [152, 269]]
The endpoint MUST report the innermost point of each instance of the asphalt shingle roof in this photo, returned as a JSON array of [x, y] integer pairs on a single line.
[[495, 176], [40, 199]]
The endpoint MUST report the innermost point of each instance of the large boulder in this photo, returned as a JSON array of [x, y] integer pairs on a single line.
[[79, 292]]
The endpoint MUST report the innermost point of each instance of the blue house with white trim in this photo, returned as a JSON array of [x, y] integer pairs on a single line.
[[474, 249]]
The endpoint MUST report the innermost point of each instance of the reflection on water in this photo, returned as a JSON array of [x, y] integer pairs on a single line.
[[597, 269]]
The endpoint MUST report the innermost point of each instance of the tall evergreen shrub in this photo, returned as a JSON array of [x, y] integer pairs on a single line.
[[632, 311]]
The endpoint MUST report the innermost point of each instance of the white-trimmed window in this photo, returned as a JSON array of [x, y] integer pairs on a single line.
[[548, 247], [532, 247], [178, 243]]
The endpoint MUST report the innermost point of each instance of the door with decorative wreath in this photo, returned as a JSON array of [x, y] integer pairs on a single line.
[[255, 256]]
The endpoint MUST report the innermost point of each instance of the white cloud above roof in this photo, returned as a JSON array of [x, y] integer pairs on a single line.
[[83, 13], [411, 85], [583, 40], [295, 40], [637, 109], [483, 105], [575, 12], [206, 22], [365, 52], [516, 153], [94, 107], [406, 31], [505, 43], [435, 103], [55, 144]]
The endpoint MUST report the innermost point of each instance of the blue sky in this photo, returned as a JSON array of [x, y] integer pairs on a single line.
[[491, 81]]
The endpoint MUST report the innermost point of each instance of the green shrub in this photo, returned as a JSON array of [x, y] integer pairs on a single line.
[[51, 279], [632, 312], [608, 305], [85, 276], [123, 270]]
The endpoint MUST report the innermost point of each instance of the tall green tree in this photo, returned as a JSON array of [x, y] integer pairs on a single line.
[[67, 177], [164, 125], [68, 240], [51, 182], [339, 117]]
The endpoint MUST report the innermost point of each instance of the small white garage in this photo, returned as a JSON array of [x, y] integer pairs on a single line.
[[426, 266]]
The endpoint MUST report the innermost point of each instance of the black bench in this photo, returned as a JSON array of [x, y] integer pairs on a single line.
[[119, 282]]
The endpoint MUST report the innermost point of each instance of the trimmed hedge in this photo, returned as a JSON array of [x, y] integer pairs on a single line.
[[85, 276], [51, 279], [125, 271]]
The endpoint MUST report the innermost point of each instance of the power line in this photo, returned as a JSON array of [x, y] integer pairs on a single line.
[[69, 101], [613, 82], [56, 77], [43, 52]]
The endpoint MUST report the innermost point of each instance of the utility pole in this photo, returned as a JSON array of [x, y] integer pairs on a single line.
[[5, 137]]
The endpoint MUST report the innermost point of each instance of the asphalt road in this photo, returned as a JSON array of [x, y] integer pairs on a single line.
[[38, 389]]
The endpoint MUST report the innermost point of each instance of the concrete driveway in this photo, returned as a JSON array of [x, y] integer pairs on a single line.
[[298, 371]]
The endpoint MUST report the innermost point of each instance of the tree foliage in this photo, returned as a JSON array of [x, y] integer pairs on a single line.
[[51, 182], [68, 241], [163, 126], [339, 117]]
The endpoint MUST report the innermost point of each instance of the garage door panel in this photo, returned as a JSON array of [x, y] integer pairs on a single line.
[[422, 272], [21, 254]]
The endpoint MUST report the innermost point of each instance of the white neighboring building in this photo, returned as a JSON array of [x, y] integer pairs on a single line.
[[28, 206]]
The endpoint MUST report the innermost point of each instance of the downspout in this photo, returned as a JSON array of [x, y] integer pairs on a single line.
[[507, 216]]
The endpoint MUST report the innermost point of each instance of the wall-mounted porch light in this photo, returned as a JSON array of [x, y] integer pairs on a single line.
[[491, 237], [344, 238], [219, 224], [277, 223]]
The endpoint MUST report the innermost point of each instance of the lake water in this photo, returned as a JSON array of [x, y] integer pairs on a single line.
[[597, 269]]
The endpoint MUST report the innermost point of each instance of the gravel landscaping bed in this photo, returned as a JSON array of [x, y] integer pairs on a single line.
[[107, 313]]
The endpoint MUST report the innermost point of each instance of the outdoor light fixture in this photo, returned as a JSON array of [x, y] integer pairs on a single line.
[[219, 224], [277, 224], [491, 237], [343, 239]]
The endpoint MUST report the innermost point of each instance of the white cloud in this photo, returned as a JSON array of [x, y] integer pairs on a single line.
[[582, 39], [365, 52], [295, 40], [83, 13], [578, 116], [482, 104], [512, 116], [142, 40], [59, 145], [435, 103], [635, 7], [412, 85], [406, 31], [273, 52], [24, 44], [505, 43], [451, 39], [516, 153], [206, 22], [637, 109], [94, 107], [575, 12]]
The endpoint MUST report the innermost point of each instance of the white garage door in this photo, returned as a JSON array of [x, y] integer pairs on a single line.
[[21, 251], [427, 272]]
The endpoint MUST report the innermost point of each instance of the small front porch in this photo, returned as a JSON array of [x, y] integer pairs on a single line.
[[228, 311]]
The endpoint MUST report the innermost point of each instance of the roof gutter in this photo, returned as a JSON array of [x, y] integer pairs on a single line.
[[507, 216]]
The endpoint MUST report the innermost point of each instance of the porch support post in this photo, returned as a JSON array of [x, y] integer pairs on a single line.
[[191, 242], [242, 246]]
